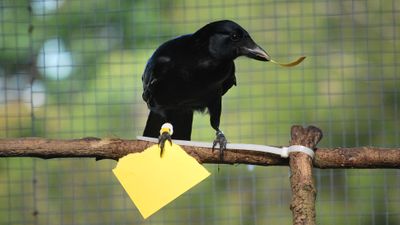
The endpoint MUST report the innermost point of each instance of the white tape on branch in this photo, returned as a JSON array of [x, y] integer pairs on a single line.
[[283, 151], [298, 148]]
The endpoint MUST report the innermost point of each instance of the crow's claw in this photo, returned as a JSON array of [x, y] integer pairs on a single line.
[[221, 141], [165, 136]]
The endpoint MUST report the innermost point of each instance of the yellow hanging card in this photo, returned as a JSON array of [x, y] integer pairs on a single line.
[[152, 181]]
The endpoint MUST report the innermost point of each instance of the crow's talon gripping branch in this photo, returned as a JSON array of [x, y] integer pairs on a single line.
[[165, 135], [221, 141]]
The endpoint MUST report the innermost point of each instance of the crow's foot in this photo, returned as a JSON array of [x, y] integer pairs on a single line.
[[165, 135], [162, 139], [221, 141]]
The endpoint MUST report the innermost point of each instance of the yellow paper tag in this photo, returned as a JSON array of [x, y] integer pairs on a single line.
[[152, 181]]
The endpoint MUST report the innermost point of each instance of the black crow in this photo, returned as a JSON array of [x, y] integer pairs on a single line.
[[192, 73]]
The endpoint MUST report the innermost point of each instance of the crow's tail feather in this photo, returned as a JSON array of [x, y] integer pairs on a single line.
[[153, 125], [180, 120]]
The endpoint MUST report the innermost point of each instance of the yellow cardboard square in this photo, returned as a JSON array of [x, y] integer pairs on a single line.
[[152, 181]]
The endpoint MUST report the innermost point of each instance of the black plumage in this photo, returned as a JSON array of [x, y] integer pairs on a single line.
[[192, 73]]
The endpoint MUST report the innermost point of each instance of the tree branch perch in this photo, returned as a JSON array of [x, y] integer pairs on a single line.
[[358, 157]]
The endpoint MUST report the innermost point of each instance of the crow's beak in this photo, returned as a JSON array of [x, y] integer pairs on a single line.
[[252, 50], [256, 52]]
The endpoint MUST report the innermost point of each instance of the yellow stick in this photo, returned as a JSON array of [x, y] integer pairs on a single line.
[[294, 63]]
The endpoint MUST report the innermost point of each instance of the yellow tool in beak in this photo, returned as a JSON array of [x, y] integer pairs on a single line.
[[294, 63]]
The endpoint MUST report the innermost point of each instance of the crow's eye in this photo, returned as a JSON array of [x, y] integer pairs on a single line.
[[236, 37]]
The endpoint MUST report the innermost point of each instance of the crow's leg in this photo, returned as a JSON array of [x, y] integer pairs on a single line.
[[215, 114]]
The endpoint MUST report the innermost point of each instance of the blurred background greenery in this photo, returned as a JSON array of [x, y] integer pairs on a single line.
[[72, 68]]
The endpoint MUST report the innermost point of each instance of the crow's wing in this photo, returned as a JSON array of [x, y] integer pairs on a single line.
[[230, 81]]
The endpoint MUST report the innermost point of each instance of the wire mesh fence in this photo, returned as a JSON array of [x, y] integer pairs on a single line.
[[72, 69]]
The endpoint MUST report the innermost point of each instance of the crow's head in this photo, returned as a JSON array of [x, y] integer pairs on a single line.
[[228, 40]]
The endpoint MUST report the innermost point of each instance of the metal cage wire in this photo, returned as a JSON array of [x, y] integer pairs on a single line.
[[72, 69]]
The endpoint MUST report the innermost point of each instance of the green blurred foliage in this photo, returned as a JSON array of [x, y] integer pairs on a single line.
[[348, 86]]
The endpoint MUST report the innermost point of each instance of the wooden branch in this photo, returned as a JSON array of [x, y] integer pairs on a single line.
[[362, 157], [117, 148], [359, 157], [301, 178]]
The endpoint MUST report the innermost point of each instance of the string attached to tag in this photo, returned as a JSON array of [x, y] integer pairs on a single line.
[[282, 151]]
